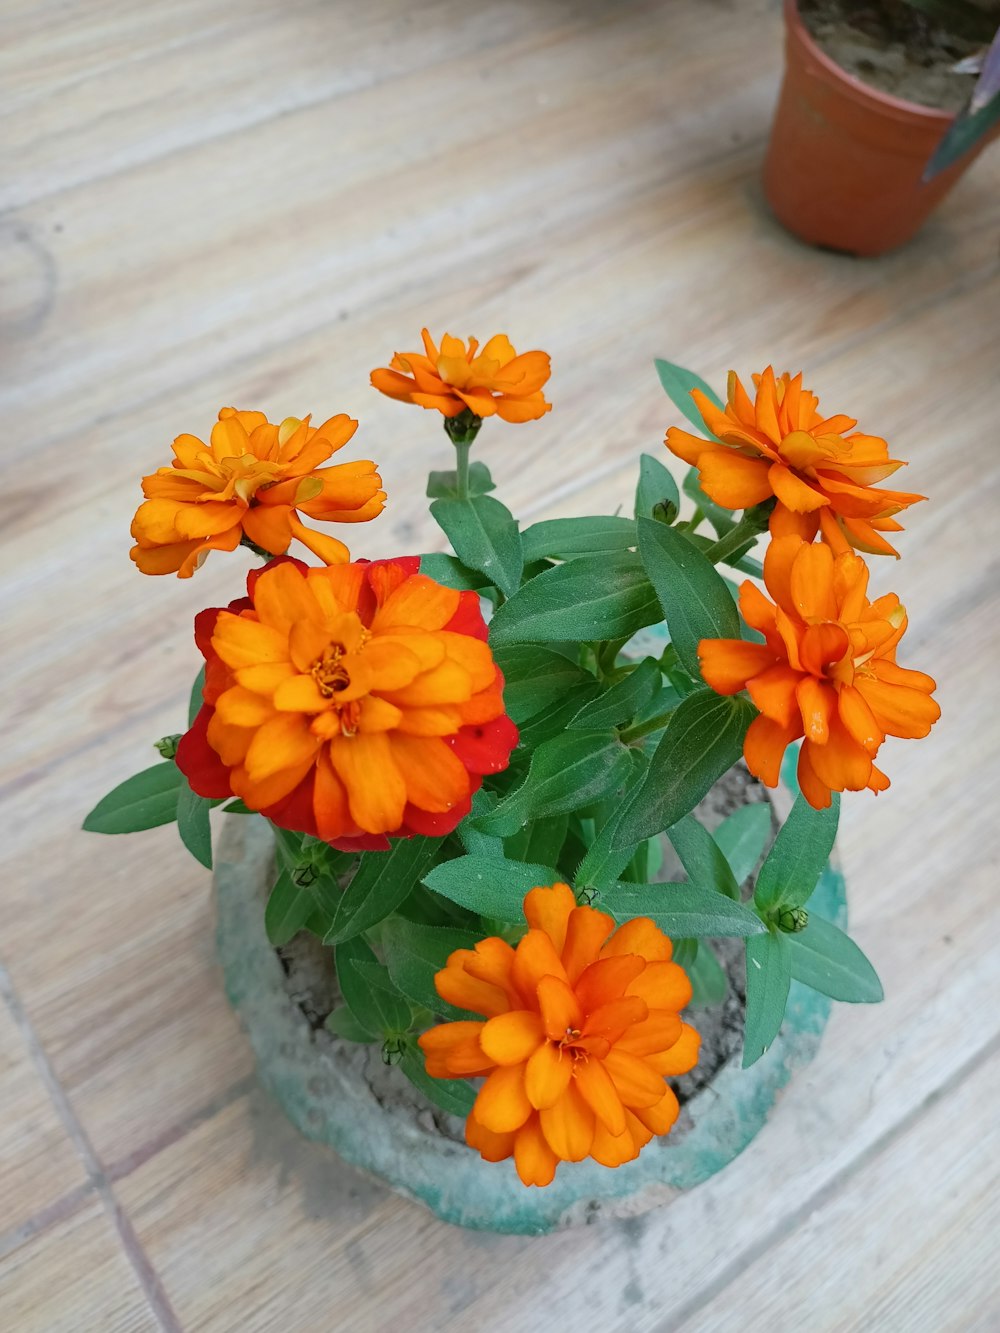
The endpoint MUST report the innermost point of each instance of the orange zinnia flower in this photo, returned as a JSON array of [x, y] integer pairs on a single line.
[[823, 478], [454, 379], [581, 1027], [351, 702], [251, 481], [827, 671]]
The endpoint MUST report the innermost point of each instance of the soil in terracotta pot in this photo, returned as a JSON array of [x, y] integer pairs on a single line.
[[311, 984], [894, 47]]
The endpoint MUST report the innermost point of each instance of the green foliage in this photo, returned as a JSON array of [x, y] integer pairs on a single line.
[[795, 862], [195, 702], [565, 773], [605, 860], [742, 837], [568, 538], [444, 485], [454, 1095], [829, 961], [288, 909], [621, 703], [450, 572], [414, 953], [694, 597], [484, 536], [769, 974], [193, 824], [488, 885], [701, 857], [703, 739], [540, 841], [709, 983], [145, 800], [656, 486], [369, 991], [381, 883], [535, 678], [593, 598], [678, 384], [342, 1023], [682, 911]]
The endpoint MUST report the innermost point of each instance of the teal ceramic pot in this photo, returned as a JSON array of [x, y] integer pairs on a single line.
[[338, 1093]]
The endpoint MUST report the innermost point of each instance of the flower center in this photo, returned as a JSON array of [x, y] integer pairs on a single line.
[[329, 672], [249, 473], [568, 1045]]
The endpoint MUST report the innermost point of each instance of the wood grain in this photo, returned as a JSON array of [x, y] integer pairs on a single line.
[[255, 204]]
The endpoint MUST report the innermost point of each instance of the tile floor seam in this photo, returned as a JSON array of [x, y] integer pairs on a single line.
[[148, 1278], [57, 1211]]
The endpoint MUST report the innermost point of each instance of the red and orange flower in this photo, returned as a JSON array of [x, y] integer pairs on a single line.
[[252, 480], [457, 378], [582, 1024], [822, 472], [827, 671], [353, 702]]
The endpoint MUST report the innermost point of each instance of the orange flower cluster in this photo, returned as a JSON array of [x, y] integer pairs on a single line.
[[252, 480], [456, 379], [827, 671], [582, 1024], [351, 702], [822, 472]]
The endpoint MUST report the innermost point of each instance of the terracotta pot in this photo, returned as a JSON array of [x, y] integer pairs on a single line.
[[845, 161]]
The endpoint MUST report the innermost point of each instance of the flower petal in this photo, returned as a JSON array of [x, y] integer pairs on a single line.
[[509, 1039], [568, 1126], [502, 1104], [547, 1075]]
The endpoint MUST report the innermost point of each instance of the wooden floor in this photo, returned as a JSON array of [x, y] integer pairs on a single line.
[[208, 202]]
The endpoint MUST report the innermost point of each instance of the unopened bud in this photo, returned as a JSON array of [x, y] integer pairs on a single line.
[[167, 746], [392, 1050], [792, 919], [587, 896], [665, 511], [304, 874]]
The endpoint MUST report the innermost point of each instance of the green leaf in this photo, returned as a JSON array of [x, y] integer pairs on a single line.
[[143, 801], [703, 739], [738, 560], [694, 597], [795, 862], [566, 773], [451, 573], [709, 983], [237, 808], [287, 911], [288, 846], [567, 538], [553, 720], [829, 961], [382, 881], [742, 837], [682, 911], [540, 841], [536, 677], [604, 860], [656, 486], [595, 597], [415, 953], [622, 702], [342, 1023], [368, 990], [678, 383], [444, 485], [769, 973], [474, 842], [701, 857], [455, 1095], [193, 824], [485, 537], [196, 701], [489, 886]]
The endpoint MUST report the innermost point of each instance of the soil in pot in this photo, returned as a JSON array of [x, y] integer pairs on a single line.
[[895, 48]]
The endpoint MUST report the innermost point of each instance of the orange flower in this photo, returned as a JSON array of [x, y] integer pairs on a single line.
[[823, 478], [826, 672], [581, 1027], [251, 481], [454, 379], [351, 702]]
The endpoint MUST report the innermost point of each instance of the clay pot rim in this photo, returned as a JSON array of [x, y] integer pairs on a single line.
[[898, 108]]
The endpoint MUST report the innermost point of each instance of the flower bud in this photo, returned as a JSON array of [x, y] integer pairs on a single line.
[[792, 919], [167, 746]]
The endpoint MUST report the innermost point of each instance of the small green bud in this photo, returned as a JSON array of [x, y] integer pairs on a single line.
[[167, 746], [587, 896], [792, 919], [464, 428], [758, 516], [304, 875], [393, 1049], [665, 511]]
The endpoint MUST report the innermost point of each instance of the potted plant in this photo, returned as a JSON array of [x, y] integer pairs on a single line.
[[878, 115], [445, 913]]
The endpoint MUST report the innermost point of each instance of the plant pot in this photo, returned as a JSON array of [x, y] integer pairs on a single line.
[[845, 161], [340, 1094]]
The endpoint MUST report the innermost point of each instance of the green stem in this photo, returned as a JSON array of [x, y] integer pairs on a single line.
[[695, 519], [462, 448], [753, 522], [641, 729]]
